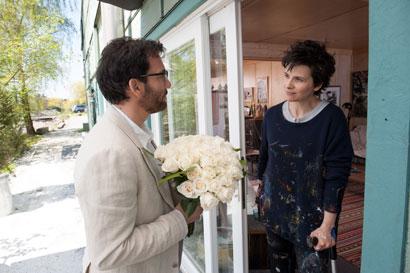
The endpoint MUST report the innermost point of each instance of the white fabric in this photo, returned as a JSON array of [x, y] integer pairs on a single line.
[[315, 111], [144, 134]]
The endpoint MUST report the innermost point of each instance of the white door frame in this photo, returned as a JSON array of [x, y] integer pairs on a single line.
[[197, 30], [230, 18], [225, 13]]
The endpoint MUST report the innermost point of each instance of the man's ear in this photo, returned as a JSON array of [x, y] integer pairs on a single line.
[[135, 86]]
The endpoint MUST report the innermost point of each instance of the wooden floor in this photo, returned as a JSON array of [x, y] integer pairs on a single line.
[[342, 266]]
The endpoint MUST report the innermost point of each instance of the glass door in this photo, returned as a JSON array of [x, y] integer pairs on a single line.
[[227, 121], [183, 61], [204, 60]]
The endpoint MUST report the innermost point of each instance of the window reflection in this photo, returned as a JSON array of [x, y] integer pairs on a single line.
[[180, 118], [220, 123]]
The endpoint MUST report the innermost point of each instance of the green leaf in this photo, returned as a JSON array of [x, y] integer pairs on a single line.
[[243, 162], [244, 165], [189, 205], [170, 176]]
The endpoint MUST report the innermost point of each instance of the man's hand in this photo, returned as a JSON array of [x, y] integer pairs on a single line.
[[194, 216]]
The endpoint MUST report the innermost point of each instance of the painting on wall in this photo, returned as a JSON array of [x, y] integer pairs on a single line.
[[331, 94], [262, 89], [359, 94], [248, 94]]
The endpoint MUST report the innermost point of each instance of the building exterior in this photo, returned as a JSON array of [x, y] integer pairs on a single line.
[[211, 53]]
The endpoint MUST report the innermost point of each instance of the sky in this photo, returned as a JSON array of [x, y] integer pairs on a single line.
[[73, 68]]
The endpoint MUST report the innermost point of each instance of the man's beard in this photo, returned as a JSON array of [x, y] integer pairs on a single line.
[[151, 102]]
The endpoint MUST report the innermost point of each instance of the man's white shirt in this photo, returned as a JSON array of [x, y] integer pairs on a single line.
[[144, 134]]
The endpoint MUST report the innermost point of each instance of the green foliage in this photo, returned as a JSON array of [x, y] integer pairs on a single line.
[[79, 93], [30, 53], [16, 148], [8, 168], [31, 48], [13, 141], [10, 133], [63, 104], [182, 97]]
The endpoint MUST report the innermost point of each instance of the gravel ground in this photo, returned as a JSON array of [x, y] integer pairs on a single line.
[[45, 234]]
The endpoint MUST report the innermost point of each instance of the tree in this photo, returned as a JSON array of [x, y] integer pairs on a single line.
[[9, 133], [31, 48], [79, 92]]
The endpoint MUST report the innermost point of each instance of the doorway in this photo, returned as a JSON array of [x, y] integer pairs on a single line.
[[268, 28]]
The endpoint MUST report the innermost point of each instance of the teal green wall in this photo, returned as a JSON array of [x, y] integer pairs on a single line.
[[150, 15], [182, 10], [387, 164]]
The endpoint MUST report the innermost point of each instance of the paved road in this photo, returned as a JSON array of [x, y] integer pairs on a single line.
[[45, 233]]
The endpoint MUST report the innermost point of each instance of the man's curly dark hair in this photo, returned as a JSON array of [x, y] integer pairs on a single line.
[[121, 60], [314, 55]]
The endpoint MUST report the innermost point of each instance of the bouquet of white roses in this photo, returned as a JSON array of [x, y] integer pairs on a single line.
[[204, 168]]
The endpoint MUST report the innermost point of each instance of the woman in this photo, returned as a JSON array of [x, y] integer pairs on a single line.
[[305, 160]]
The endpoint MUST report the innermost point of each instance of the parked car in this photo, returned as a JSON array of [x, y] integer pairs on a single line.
[[78, 108]]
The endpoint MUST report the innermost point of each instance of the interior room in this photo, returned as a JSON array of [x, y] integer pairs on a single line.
[[268, 27]]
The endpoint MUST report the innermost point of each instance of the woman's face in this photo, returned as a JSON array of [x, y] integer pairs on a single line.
[[299, 85]]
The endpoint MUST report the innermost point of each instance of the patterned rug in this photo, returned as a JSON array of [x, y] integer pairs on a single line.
[[349, 243]]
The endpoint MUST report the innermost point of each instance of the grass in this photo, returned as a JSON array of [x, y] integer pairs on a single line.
[[27, 142]]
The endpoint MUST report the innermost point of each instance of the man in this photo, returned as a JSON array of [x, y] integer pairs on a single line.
[[130, 221]]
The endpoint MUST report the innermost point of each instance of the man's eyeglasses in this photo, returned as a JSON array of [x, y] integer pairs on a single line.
[[162, 73]]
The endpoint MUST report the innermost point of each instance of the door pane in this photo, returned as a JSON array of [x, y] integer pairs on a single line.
[[180, 118], [220, 122]]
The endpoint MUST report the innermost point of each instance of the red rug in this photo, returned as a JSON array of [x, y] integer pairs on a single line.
[[349, 241]]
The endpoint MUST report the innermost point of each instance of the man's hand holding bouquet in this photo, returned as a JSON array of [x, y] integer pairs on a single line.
[[204, 169]]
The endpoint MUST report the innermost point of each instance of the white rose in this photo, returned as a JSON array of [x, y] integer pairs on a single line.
[[225, 181], [160, 153], [208, 173], [225, 194], [200, 185], [185, 162], [187, 189], [194, 172], [214, 185], [206, 161], [208, 200], [170, 165], [235, 172]]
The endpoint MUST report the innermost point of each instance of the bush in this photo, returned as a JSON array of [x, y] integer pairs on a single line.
[[13, 142]]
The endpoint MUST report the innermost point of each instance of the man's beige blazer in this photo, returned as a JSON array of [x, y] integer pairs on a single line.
[[130, 222]]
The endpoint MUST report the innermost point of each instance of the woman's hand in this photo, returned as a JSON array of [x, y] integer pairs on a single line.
[[324, 236], [324, 232]]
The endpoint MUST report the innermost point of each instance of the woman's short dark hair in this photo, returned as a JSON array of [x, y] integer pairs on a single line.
[[314, 55], [121, 60]]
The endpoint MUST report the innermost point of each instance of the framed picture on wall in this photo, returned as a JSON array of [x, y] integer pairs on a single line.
[[248, 94], [359, 94], [262, 89], [331, 94]]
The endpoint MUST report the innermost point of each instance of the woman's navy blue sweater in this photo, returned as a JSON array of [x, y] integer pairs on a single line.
[[304, 168]]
